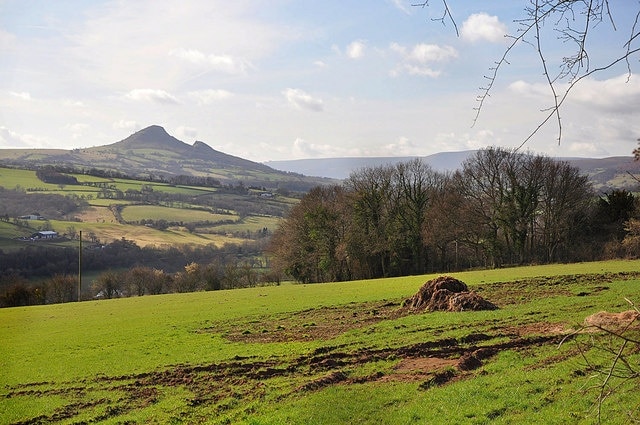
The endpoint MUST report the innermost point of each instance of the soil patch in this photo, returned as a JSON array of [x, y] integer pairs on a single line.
[[418, 369], [321, 323], [614, 322]]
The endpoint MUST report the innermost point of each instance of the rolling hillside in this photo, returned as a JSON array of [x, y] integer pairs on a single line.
[[154, 152]]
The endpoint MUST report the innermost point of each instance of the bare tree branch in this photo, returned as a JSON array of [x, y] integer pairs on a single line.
[[575, 22], [445, 14]]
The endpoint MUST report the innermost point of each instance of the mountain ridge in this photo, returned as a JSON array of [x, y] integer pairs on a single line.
[[605, 173], [152, 152]]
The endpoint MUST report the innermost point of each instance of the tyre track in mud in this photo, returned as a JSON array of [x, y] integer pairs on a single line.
[[227, 386], [247, 378]]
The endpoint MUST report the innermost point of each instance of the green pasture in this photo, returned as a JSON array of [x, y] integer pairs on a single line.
[[135, 213], [250, 224], [221, 357], [103, 202], [126, 184], [142, 235], [11, 178]]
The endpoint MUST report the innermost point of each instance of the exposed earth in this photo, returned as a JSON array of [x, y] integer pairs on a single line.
[[432, 363]]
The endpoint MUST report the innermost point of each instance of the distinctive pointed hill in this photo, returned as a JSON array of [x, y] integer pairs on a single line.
[[159, 151], [152, 152], [153, 137]]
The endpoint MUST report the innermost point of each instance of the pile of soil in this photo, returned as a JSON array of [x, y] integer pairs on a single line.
[[446, 293], [614, 322]]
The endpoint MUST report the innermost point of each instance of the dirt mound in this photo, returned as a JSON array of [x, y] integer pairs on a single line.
[[613, 321], [446, 293]]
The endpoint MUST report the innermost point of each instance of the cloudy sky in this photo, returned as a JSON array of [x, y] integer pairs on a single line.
[[286, 79]]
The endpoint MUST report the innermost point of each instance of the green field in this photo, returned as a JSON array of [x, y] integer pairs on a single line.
[[26, 179], [99, 219], [141, 212], [321, 354]]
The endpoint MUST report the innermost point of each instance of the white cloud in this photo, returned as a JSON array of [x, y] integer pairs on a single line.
[[303, 100], [206, 97], [481, 139], [619, 94], [10, 139], [186, 133], [77, 127], [77, 130], [119, 44], [401, 5], [320, 64], [21, 95], [423, 53], [152, 95], [481, 26], [222, 63], [304, 149], [128, 125], [585, 149], [417, 60], [419, 70], [522, 88], [401, 147], [13, 140], [355, 50], [73, 103]]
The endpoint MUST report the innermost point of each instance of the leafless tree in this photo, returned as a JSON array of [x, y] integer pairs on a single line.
[[576, 23], [609, 348]]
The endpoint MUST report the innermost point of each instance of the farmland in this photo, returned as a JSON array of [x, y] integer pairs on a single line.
[[191, 215], [326, 353]]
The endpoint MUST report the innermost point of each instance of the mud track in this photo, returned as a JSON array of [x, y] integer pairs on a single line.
[[431, 363]]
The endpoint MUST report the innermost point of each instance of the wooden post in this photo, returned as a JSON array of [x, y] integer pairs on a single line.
[[80, 269]]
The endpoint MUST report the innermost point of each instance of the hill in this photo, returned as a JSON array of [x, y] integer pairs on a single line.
[[152, 152], [605, 173]]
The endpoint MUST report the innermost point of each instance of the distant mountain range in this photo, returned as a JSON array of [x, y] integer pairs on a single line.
[[605, 173], [153, 152], [340, 168]]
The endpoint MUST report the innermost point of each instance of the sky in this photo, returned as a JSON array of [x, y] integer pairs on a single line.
[[283, 79]]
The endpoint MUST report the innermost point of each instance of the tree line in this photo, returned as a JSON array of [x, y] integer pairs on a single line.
[[502, 207], [44, 275]]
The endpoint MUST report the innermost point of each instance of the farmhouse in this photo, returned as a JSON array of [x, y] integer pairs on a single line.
[[45, 234], [31, 217]]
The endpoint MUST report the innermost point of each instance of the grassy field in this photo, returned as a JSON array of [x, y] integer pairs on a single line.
[[320, 354], [14, 178], [142, 212], [99, 219]]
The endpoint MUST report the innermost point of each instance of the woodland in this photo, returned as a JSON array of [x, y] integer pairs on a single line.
[[503, 207]]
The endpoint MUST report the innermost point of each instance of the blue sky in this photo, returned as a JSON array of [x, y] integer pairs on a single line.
[[279, 79]]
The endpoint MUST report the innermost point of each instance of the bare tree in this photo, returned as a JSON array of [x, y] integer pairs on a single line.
[[575, 23], [416, 182], [61, 289], [373, 200], [609, 346], [108, 285]]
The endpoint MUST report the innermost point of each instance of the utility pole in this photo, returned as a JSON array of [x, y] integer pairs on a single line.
[[80, 268]]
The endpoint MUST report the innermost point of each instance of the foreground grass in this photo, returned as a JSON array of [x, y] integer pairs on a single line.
[[330, 353]]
